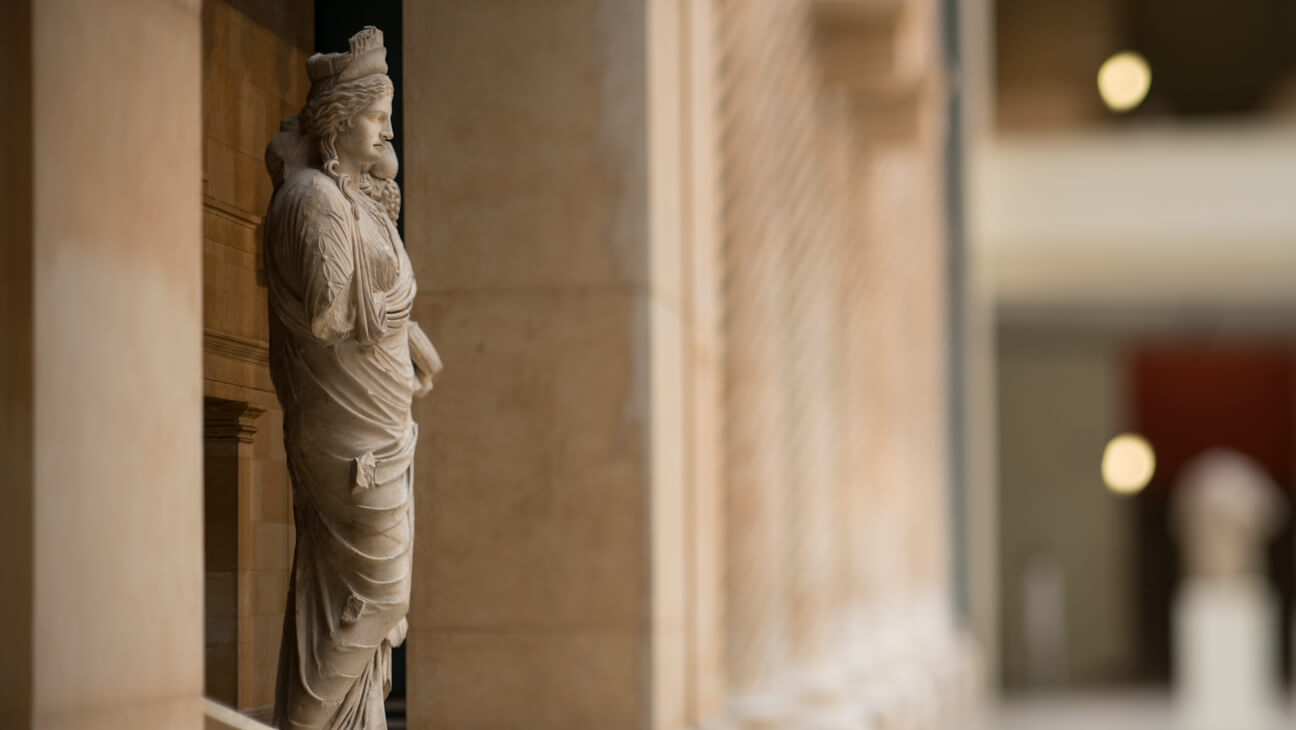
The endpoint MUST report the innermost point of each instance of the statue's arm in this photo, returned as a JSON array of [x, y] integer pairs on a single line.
[[427, 363]]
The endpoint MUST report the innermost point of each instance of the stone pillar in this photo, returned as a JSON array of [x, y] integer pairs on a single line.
[[102, 448], [545, 217], [857, 353], [812, 344], [879, 62]]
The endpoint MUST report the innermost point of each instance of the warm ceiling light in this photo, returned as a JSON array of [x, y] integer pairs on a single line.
[[1128, 464], [1124, 80]]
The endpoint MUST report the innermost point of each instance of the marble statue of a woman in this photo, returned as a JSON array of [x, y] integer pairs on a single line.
[[347, 362]]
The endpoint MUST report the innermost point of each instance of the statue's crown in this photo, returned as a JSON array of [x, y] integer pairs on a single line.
[[367, 56]]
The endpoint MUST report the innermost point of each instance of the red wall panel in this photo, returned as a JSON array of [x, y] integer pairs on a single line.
[[1189, 398]]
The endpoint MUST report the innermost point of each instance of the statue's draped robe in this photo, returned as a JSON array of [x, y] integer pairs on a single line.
[[341, 290]]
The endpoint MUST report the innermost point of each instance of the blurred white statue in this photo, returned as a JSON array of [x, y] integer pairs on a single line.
[[1226, 614], [1226, 510], [1044, 619]]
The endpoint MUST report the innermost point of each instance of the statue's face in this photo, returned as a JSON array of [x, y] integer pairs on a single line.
[[362, 144]]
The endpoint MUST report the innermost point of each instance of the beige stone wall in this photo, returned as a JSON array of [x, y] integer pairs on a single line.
[[253, 76]]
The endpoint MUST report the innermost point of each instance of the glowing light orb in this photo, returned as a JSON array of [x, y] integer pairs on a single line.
[[1124, 81], [1128, 464]]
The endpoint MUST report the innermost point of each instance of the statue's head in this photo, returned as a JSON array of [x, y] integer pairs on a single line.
[[345, 124], [348, 109]]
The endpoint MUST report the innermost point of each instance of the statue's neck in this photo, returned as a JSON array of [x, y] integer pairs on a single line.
[[352, 171]]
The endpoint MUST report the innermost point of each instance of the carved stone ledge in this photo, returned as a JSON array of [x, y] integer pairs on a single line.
[[905, 112], [229, 419], [877, 57], [247, 219], [220, 717], [860, 41], [236, 348]]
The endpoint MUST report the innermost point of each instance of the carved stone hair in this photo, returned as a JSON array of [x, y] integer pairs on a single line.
[[328, 115], [385, 191]]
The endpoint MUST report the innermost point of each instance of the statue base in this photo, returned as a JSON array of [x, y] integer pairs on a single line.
[[1226, 662]]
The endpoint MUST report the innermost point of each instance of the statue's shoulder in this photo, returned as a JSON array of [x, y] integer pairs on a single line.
[[308, 206], [310, 188]]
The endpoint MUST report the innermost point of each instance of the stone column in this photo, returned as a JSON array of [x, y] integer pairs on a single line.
[[849, 276], [786, 217], [811, 344], [879, 60], [543, 205], [102, 348], [703, 268], [756, 607], [849, 504]]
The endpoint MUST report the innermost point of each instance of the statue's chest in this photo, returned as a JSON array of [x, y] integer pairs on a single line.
[[382, 249]]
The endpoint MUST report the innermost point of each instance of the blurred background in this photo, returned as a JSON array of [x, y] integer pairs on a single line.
[[1130, 213]]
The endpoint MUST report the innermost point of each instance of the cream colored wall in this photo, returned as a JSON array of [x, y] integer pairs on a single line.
[[1060, 401], [116, 627]]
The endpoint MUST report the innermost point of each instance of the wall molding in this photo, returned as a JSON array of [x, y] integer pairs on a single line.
[[233, 213], [236, 348]]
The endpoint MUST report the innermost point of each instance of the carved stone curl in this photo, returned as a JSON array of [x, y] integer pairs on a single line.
[[347, 362]]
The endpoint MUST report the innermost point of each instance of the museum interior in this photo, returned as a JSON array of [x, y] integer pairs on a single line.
[[808, 364]]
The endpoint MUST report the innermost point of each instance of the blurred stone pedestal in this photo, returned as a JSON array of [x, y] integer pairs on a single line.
[[1226, 657]]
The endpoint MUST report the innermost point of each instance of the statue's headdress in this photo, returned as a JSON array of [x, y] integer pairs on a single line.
[[367, 57]]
